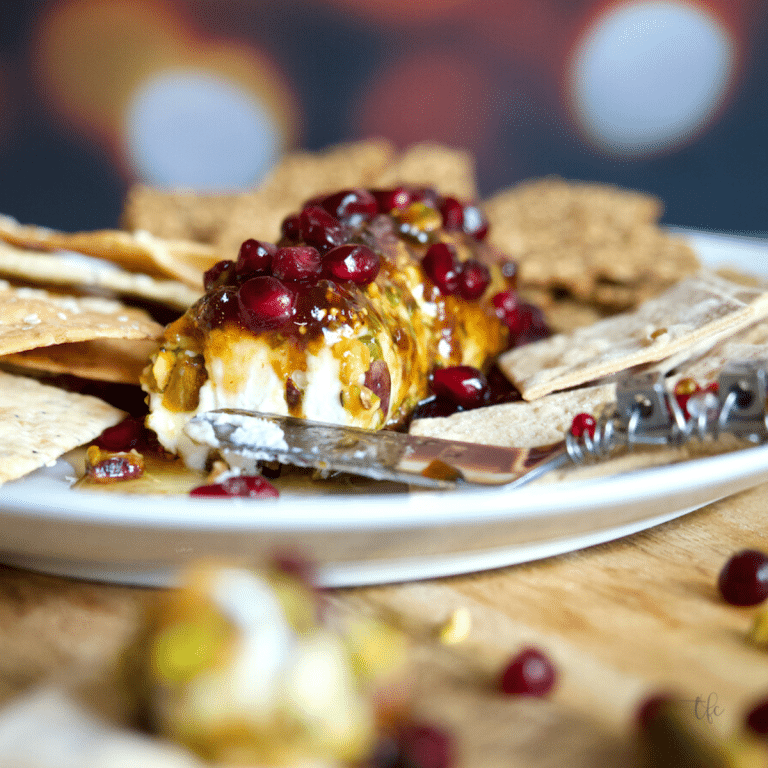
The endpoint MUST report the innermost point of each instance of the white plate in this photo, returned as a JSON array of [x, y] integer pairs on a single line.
[[364, 539]]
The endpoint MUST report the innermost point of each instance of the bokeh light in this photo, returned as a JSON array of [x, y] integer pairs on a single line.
[[438, 95], [648, 76]]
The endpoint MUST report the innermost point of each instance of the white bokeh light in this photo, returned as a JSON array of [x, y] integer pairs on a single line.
[[188, 128], [648, 75]]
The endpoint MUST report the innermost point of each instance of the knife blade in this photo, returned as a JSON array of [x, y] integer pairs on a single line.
[[427, 462]]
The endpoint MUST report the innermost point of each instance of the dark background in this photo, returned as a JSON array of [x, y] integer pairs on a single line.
[[487, 75]]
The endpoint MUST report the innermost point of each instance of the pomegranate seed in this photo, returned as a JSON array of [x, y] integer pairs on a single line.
[[128, 434], [353, 205], [396, 199], [320, 229], [265, 303], [530, 673], [463, 384], [474, 278], [501, 389], [255, 257], [219, 307], [684, 390], [452, 212], [291, 228], [442, 268], [247, 486], [433, 406], [475, 224], [507, 304], [296, 262], [744, 578], [757, 718], [221, 273], [109, 467], [357, 263], [525, 322], [424, 746], [583, 424], [428, 197]]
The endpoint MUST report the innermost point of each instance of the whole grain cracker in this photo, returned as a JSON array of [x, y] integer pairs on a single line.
[[598, 242], [520, 424], [118, 361], [32, 318], [136, 252], [76, 270], [698, 308], [39, 423], [296, 178]]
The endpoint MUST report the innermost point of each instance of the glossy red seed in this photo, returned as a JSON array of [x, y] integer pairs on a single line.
[[265, 303], [115, 469], [530, 673], [247, 486], [442, 268], [128, 434], [320, 229], [526, 323], [452, 212], [296, 262], [220, 307], [474, 278], [743, 580], [475, 224], [255, 257], [354, 205], [221, 273], [583, 424], [354, 262], [291, 228], [757, 718], [428, 196], [396, 199], [464, 385], [424, 746]]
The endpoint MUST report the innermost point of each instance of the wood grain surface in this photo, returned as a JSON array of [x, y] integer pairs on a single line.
[[620, 620]]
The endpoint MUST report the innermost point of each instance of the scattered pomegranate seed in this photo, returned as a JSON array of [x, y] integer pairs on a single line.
[[220, 307], [111, 467], [255, 257], [464, 385], [583, 423], [501, 389], [221, 273], [354, 262], [452, 212], [421, 745], [757, 718], [396, 199], [474, 278], [264, 303], [249, 487], [129, 433], [530, 673], [744, 578], [353, 205], [320, 229], [507, 308], [291, 228], [296, 262], [475, 224], [442, 268]]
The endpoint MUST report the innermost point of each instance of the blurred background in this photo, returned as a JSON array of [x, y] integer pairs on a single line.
[[666, 96]]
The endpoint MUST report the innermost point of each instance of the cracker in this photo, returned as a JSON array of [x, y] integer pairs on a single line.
[[119, 361], [39, 423], [698, 308], [520, 424], [298, 177], [76, 270], [136, 252], [449, 171], [599, 242], [32, 318]]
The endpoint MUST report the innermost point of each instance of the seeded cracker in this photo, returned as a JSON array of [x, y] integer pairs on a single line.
[[32, 318], [136, 252], [76, 270], [39, 423], [698, 308], [598, 243], [523, 425]]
